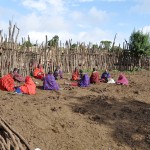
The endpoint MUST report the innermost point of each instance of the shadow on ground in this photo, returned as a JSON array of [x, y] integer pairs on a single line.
[[128, 118]]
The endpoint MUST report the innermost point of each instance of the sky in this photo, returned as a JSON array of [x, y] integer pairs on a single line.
[[80, 20]]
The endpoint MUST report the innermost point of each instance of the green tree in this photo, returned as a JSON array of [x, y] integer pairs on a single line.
[[116, 49], [106, 45], [54, 41], [139, 43], [27, 44], [95, 46], [74, 45]]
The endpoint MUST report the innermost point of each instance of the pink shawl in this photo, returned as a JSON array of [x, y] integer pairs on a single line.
[[122, 80]]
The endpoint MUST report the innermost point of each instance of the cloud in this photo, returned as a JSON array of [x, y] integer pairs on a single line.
[[35, 22], [59, 13], [146, 29], [45, 6], [98, 15], [39, 5], [7, 14], [4, 26], [57, 6], [94, 36], [115, 0], [56, 17], [77, 15], [90, 18], [142, 6], [123, 24], [86, 0], [102, 0], [44, 16]]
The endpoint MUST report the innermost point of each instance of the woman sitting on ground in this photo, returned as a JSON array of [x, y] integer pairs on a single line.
[[58, 72], [122, 80], [28, 88], [39, 72], [7, 83], [75, 75], [83, 82], [49, 82], [94, 76], [17, 76], [105, 76]]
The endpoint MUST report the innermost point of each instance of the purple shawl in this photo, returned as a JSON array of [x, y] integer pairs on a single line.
[[18, 77], [50, 83], [105, 75], [85, 81]]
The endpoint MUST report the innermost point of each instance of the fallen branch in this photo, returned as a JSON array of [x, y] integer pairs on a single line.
[[9, 138]]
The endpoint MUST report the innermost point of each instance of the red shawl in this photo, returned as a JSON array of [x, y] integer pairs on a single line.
[[75, 75], [7, 83], [29, 87], [94, 77], [38, 73]]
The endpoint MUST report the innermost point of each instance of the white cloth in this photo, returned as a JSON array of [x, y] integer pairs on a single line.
[[110, 80]]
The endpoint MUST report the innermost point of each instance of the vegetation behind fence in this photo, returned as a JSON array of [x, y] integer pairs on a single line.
[[68, 56]]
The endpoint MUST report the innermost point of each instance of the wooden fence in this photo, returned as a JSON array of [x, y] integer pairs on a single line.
[[14, 55]]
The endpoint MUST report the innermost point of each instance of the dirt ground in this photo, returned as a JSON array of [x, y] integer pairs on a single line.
[[100, 117]]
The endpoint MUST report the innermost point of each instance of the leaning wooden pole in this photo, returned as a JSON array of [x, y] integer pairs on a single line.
[[114, 42]]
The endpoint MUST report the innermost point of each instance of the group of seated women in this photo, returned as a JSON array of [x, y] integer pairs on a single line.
[[26, 85], [38, 72], [95, 77], [79, 78], [7, 83]]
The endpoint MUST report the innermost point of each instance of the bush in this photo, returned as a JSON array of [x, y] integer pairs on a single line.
[[139, 43]]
